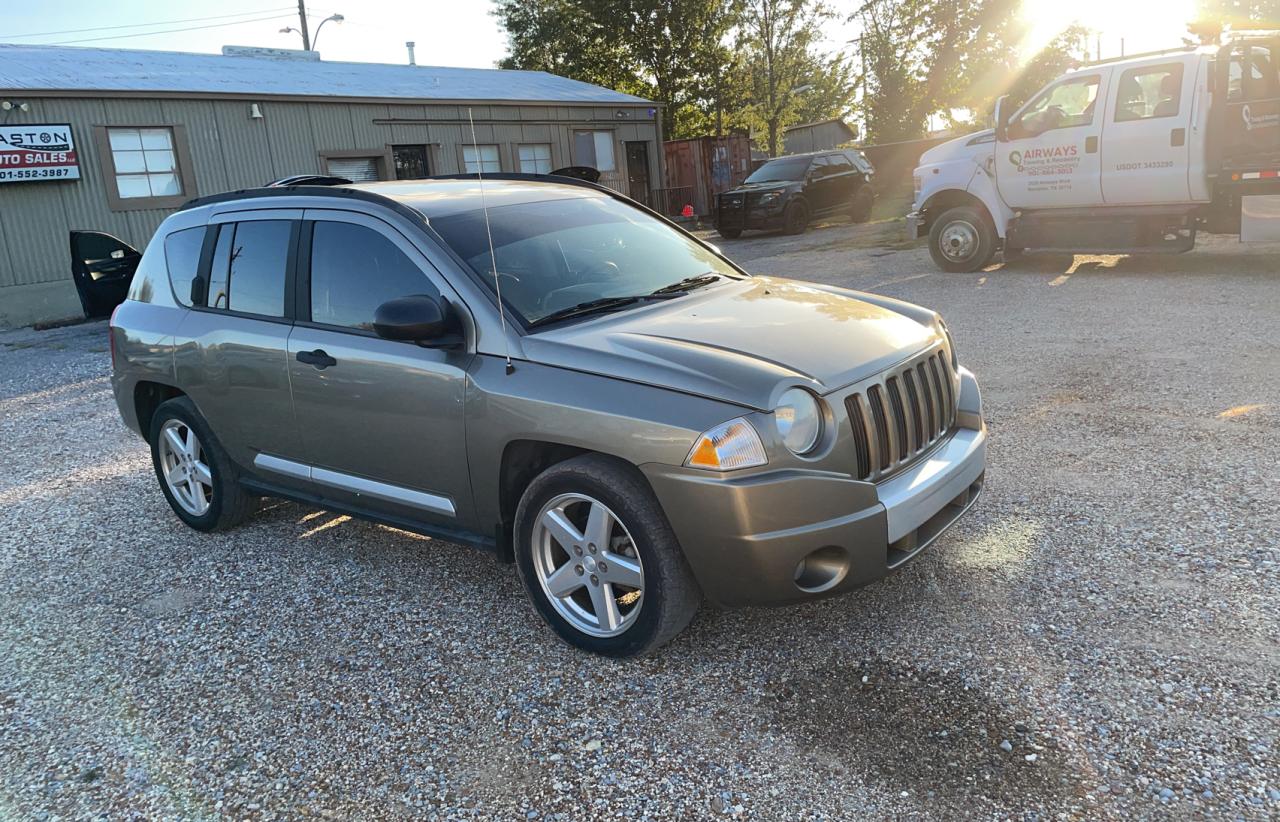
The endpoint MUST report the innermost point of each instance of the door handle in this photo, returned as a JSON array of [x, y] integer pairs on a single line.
[[319, 358], [1091, 145], [1178, 137]]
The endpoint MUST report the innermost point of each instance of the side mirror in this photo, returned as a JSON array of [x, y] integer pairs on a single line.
[[412, 319], [1002, 119]]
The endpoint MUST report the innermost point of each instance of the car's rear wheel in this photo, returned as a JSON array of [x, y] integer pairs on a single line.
[[864, 199], [796, 218], [962, 239], [599, 559], [729, 233], [195, 473]]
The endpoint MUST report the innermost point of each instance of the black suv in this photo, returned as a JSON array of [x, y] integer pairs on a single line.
[[787, 192]]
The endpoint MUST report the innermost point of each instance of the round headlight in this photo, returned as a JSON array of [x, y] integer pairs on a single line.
[[799, 420]]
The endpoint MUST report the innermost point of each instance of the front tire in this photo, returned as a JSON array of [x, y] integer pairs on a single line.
[[962, 240], [599, 560], [195, 473], [796, 218]]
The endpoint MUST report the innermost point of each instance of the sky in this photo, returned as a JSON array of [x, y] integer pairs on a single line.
[[461, 32]]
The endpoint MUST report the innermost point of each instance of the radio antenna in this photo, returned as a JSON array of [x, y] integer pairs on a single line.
[[493, 258]]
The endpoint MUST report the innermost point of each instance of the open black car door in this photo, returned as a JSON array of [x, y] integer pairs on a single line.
[[102, 267]]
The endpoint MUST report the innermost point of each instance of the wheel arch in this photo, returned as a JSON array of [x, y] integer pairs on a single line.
[[148, 395], [950, 198]]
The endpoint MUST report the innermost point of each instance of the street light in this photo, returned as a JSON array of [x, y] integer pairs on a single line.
[[337, 18]]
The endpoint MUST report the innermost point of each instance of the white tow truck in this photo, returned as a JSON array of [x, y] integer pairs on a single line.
[[1126, 156]]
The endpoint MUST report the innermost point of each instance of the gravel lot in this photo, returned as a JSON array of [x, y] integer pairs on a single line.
[[1100, 638]]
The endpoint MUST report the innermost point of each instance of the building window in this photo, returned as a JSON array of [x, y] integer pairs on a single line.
[[535, 158], [595, 149], [483, 159], [145, 166], [355, 169], [411, 162]]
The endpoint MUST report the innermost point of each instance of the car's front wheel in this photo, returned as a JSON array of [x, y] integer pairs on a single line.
[[961, 240], [195, 473], [599, 559]]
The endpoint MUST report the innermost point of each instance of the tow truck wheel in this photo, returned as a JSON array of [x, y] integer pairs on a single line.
[[961, 240]]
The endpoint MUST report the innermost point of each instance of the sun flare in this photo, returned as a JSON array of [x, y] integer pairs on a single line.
[[1143, 25]]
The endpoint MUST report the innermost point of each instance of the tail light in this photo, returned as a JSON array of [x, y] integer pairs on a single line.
[[111, 335]]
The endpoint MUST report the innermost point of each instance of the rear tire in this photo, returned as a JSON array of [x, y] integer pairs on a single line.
[[195, 474], [864, 199], [962, 240], [795, 219], [625, 597], [729, 233]]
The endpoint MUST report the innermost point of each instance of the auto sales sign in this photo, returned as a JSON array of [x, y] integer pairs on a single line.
[[37, 152]]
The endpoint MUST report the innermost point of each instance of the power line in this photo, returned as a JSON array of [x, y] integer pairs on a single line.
[[166, 31], [143, 25]]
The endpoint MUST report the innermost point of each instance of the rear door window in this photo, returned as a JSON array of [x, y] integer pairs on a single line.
[[1149, 92], [355, 269], [250, 266], [182, 257]]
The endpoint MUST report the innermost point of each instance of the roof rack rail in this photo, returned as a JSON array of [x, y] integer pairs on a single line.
[[1139, 55], [309, 180]]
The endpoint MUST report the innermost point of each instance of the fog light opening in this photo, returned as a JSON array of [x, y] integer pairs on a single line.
[[822, 570]]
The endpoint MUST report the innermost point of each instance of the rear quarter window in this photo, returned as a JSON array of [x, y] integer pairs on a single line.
[[182, 258]]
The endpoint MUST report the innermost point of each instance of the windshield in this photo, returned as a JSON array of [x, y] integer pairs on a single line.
[[556, 254], [784, 169]]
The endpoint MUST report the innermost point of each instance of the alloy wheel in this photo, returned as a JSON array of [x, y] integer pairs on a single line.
[[588, 566], [185, 469], [958, 241]]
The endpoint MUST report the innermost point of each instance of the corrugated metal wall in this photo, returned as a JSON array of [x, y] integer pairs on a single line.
[[230, 150]]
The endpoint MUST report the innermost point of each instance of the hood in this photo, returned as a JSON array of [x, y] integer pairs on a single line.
[[743, 342], [970, 145]]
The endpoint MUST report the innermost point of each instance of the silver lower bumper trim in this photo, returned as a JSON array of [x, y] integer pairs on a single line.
[[914, 496]]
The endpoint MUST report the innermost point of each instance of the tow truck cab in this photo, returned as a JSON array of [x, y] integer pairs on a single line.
[[1123, 156]]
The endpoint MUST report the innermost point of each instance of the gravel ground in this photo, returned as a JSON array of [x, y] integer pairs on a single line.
[[1098, 639]]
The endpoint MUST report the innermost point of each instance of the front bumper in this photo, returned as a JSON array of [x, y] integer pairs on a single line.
[[754, 217], [794, 535], [916, 225]]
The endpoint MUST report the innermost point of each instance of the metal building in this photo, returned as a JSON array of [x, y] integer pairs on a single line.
[[114, 140], [820, 136]]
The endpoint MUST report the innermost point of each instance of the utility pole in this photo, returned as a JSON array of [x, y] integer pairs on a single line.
[[302, 15]]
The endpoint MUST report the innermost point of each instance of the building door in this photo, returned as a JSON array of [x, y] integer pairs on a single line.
[[1145, 145], [638, 171], [411, 162]]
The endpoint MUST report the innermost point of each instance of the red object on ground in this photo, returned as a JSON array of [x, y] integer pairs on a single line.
[[687, 211]]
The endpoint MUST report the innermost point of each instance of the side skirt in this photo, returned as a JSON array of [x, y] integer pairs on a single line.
[[441, 532]]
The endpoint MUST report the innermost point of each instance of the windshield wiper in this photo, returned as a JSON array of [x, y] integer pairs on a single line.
[[602, 305], [687, 284]]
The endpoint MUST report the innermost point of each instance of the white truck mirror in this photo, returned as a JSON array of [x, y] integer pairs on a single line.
[[1002, 119]]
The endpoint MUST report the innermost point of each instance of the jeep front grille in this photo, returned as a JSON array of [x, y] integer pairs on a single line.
[[902, 414]]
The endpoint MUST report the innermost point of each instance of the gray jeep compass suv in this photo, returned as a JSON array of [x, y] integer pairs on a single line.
[[636, 422]]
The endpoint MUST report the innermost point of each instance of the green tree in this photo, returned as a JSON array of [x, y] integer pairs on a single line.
[[785, 76], [945, 57], [672, 51]]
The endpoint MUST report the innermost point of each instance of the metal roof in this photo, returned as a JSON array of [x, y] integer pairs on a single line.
[[97, 70]]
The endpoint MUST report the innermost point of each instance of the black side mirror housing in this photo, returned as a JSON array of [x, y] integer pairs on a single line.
[[418, 318], [1002, 119]]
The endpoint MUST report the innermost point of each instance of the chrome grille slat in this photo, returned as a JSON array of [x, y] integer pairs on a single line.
[[899, 415]]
